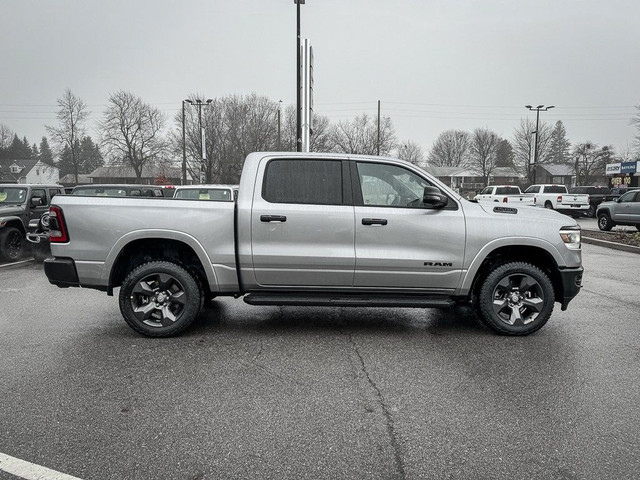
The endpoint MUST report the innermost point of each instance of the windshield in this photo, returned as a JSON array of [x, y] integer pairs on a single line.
[[213, 194], [13, 195]]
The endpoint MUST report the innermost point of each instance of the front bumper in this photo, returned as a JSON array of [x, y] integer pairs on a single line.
[[571, 284], [61, 272]]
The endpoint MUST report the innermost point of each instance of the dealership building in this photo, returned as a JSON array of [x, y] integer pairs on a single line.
[[623, 174]]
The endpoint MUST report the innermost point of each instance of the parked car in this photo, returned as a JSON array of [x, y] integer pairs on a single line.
[[22, 208], [106, 190], [320, 230], [556, 197], [218, 193], [624, 210], [504, 194], [597, 195]]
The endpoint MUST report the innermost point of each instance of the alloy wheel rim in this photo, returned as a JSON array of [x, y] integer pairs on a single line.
[[518, 299], [158, 300], [14, 245]]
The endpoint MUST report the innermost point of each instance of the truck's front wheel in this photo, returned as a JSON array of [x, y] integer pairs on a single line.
[[160, 299], [516, 299], [11, 244]]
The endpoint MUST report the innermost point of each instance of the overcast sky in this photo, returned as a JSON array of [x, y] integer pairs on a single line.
[[435, 65]]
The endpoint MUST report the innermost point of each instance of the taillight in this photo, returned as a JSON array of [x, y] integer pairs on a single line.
[[57, 228], [505, 200], [559, 199]]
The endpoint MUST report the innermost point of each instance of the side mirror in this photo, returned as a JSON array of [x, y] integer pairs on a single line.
[[36, 202], [434, 198]]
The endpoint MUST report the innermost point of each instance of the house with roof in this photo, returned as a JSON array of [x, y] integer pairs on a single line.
[[28, 171]]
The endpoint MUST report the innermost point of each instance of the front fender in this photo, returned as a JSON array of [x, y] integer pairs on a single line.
[[159, 234], [12, 221], [467, 280]]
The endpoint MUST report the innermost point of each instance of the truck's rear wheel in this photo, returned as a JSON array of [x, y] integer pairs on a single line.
[[548, 205], [516, 299], [160, 299], [12, 244]]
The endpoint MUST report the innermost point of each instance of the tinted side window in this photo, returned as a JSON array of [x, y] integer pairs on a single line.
[[303, 181], [627, 197], [532, 189], [555, 189]]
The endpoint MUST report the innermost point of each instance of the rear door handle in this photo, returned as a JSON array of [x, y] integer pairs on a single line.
[[273, 218], [374, 221]]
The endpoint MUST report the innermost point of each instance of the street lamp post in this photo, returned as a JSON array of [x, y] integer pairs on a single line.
[[279, 124], [535, 148], [199, 103], [298, 86]]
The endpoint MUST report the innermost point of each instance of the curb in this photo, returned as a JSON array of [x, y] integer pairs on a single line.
[[613, 245], [9, 266]]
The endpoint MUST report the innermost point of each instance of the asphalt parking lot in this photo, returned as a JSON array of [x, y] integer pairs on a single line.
[[266, 392]]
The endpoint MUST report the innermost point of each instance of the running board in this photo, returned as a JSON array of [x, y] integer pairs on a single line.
[[310, 300]]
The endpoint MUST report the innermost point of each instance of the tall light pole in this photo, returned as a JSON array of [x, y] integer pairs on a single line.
[[199, 103], [535, 149], [184, 148], [298, 86], [279, 124]]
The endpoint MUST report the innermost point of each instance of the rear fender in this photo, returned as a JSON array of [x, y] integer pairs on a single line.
[[160, 234]]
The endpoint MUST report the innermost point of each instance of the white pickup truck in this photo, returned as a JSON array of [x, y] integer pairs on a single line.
[[504, 194], [556, 197]]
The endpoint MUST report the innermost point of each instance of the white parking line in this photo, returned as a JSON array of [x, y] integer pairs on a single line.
[[30, 471]]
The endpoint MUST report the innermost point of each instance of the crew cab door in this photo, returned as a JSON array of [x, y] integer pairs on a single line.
[[302, 223], [37, 211], [400, 242]]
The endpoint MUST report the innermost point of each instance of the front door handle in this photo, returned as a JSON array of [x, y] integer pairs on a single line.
[[273, 218], [374, 221]]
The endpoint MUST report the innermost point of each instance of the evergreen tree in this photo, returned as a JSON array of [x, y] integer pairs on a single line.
[[65, 162], [90, 156], [19, 150], [560, 146], [505, 155], [46, 155], [34, 151]]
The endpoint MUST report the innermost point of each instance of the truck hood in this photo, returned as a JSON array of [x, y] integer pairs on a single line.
[[534, 214], [11, 210]]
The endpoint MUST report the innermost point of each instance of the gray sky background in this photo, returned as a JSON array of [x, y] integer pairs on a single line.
[[435, 65]]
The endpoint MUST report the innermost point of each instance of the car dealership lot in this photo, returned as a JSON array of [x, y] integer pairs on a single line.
[[257, 392]]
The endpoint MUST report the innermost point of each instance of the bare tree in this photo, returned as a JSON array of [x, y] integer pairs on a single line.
[[451, 149], [71, 115], [483, 151], [6, 137], [411, 152], [524, 142], [590, 161], [132, 132], [360, 136]]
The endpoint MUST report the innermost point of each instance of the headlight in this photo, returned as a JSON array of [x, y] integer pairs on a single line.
[[571, 237]]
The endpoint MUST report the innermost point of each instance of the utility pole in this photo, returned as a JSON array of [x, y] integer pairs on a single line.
[[184, 149], [535, 148], [378, 149], [279, 125], [298, 86], [199, 103]]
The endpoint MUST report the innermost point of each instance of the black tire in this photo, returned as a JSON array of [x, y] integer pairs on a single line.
[[160, 299], [516, 299], [548, 205], [12, 244], [604, 222], [638, 227], [591, 212]]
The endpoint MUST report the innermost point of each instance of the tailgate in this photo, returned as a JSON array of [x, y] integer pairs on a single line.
[[571, 200]]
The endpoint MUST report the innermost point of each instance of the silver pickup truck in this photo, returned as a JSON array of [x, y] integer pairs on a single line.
[[321, 230]]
